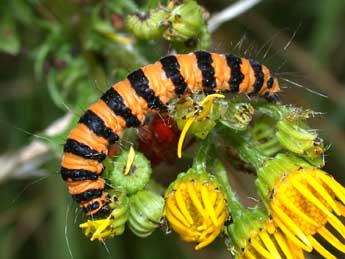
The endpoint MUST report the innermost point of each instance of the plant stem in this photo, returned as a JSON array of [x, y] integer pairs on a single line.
[[234, 204]]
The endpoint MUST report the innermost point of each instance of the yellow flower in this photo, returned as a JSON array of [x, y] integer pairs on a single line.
[[303, 203], [113, 225], [196, 208]]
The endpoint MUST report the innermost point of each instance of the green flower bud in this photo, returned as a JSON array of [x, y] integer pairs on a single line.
[[145, 212], [137, 176], [147, 25], [293, 133], [184, 22], [237, 115], [263, 136], [200, 127], [295, 137]]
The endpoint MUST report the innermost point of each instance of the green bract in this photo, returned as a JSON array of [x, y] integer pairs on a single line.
[[185, 22], [147, 25], [137, 177], [145, 212]]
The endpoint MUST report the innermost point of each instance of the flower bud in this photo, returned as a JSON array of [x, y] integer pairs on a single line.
[[130, 177], [237, 115], [147, 25], [184, 22], [145, 212]]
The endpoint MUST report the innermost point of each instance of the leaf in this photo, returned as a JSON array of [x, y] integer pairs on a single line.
[[9, 42]]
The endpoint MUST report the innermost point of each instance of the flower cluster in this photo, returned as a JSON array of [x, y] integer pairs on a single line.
[[303, 204]]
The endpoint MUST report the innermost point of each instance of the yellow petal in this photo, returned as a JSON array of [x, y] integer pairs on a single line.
[[320, 249], [170, 205], [261, 250], [330, 238], [208, 206], [130, 160], [182, 205], [290, 224], [185, 129], [265, 238], [283, 245], [287, 203], [323, 192], [195, 199]]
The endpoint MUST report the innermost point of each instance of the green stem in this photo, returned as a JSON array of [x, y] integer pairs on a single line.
[[247, 152], [202, 155], [234, 204]]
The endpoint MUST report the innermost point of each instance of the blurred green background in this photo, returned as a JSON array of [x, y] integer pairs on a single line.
[[54, 58]]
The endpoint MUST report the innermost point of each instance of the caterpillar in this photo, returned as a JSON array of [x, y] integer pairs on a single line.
[[151, 87]]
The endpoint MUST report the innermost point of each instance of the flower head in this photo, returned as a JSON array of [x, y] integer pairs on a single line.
[[304, 201], [196, 207]]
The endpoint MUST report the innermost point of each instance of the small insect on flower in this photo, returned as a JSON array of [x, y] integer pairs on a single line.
[[304, 201], [196, 207]]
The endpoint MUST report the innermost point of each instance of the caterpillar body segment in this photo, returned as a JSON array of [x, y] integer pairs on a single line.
[[127, 102]]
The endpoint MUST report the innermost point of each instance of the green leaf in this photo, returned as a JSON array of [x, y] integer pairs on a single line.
[[9, 42]]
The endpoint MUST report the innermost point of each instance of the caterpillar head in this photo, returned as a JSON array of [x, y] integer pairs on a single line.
[[273, 89]]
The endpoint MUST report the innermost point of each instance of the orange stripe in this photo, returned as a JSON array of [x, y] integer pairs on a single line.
[[275, 88], [83, 134], [71, 161], [248, 72], [78, 187], [135, 103], [190, 71], [162, 86], [115, 123], [221, 71], [101, 200], [266, 72]]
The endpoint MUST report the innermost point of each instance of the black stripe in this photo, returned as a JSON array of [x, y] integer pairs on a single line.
[[96, 124], [171, 68], [140, 84], [270, 82], [259, 77], [236, 74], [77, 174], [115, 102], [80, 149], [204, 60], [91, 207], [87, 195], [103, 211]]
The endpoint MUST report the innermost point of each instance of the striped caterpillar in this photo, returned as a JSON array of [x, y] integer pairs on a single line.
[[127, 102]]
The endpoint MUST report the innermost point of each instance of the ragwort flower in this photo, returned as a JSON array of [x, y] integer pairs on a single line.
[[303, 201], [196, 207]]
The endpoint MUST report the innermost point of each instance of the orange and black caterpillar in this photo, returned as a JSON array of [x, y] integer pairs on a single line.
[[127, 102]]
